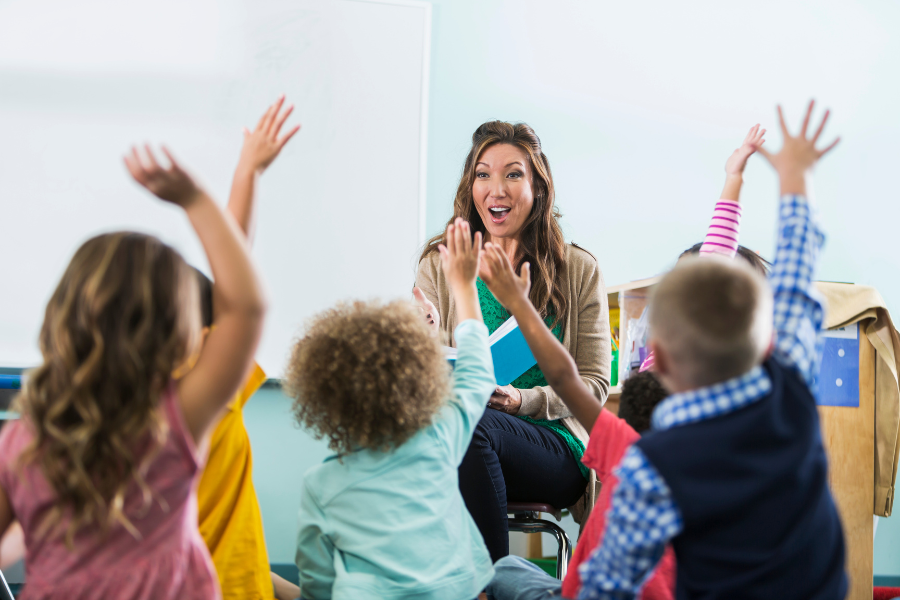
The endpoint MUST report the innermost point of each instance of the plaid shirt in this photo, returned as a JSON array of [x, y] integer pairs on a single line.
[[644, 516]]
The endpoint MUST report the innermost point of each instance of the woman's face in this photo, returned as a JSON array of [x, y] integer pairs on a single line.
[[502, 190]]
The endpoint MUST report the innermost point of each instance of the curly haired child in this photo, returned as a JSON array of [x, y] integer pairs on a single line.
[[384, 517], [101, 469]]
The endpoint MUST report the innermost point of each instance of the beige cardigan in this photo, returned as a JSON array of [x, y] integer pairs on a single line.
[[585, 336]]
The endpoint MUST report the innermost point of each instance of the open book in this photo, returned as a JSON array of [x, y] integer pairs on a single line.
[[509, 350]]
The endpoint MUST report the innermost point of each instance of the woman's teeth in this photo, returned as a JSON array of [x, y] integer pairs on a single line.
[[498, 214]]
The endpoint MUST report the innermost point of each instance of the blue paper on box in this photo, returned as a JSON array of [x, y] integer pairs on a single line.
[[838, 381], [509, 351]]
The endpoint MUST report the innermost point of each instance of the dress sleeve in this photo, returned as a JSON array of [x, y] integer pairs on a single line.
[[724, 230], [592, 352], [473, 384], [315, 551]]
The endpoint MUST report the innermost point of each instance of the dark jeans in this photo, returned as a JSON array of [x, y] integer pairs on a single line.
[[511, 458]]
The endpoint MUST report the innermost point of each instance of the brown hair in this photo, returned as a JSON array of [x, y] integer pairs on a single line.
[[367, 375], [641, 392], [541, 241], [760, 264], [123, 317], [713, 317]]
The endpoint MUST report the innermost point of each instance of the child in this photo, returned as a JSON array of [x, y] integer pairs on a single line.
[[734, 474], [516, 578], [228, 511], [384, 518], [725, 227], [100, 469]]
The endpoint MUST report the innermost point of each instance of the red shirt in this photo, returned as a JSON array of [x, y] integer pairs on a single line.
[[610, 438]]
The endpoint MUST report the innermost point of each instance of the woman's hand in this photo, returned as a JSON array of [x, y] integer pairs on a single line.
[[432, 318], [172, 184], [460, 259], [798, 155], [262, 145], [734, 166], [497, 272], [506, 399]]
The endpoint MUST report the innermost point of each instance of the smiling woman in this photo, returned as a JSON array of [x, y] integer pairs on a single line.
[[528, 449]]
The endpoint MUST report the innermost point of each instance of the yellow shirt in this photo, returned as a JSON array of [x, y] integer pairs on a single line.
[[229, 515]]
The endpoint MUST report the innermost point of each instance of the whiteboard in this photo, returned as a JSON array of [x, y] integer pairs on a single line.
[[341, 211]]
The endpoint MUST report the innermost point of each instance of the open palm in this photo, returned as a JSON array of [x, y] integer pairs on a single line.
[[738, 159]]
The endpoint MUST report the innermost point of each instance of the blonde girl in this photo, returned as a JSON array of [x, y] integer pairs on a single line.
[[101, 469]]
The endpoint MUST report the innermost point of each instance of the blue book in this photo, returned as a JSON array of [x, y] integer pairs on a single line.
[[839, 372], [509, 351], [10, 382]]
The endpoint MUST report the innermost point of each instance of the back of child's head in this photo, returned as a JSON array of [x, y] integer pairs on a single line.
[[122, 318], [712, 317], [367, 375], [641, 392], [756, 261]]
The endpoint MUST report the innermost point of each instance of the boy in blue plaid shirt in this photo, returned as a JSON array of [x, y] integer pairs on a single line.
[[734, 474]]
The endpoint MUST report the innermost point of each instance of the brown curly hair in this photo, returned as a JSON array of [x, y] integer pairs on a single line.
[[367, 375], [542, 243], [124, 316]]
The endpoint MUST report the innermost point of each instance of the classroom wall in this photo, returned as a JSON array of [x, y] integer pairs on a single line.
[[607, 88]]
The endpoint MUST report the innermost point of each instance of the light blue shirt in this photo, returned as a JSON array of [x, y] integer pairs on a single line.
[[385, 525]]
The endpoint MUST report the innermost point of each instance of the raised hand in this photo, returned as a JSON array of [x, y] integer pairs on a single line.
[[171, 183], [461, 255], [497, 272], [263, 144], [799, 154], [738, 159], [432, 318]]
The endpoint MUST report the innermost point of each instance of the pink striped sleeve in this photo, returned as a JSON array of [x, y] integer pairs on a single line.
[[722, 235]]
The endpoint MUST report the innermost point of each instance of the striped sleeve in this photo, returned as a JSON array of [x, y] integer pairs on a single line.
[[723, 232]]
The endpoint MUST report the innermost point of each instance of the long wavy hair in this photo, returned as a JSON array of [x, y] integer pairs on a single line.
[[541, 241], [124, 316]]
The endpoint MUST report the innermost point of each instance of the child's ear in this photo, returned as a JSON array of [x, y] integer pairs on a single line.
[[662, 364]]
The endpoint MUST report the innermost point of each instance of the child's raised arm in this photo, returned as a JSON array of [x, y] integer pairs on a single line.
[[460, 260], [555, 362], [261, 147], [798, 312], [241, 305]]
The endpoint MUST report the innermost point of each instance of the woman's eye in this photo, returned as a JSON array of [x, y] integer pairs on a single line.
[[481, 175], [515, 174]]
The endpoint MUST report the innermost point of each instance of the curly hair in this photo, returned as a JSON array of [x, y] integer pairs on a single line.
[[542, 243], [640, 394], [123, 317], [367, 375]]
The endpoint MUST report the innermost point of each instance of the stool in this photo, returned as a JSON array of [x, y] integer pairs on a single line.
[[526, 519]]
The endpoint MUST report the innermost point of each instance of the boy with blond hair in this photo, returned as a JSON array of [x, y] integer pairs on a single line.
[[734, 474]]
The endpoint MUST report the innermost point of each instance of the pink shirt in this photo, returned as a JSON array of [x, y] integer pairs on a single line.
[[610, 438], [721, 238], [170, 561]]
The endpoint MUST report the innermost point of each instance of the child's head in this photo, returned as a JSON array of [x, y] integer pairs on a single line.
[[367, 375], [641, 392], [121, 319], [756, 261], [710, 320]]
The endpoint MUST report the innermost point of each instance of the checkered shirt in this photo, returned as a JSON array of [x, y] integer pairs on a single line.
[[644, 516]]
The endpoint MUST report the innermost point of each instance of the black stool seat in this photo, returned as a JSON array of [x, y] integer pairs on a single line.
[[526, 518]]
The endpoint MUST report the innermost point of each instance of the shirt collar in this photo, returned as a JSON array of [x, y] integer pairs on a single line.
[[712, 401]]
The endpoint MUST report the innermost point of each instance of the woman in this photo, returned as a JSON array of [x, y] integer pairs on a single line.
[[528, 449]]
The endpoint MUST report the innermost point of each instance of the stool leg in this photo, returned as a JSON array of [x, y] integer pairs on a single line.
[[563, 553]]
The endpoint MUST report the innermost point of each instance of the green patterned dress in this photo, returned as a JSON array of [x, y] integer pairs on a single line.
[[494, 316]]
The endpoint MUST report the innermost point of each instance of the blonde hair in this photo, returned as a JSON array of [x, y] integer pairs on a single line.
[[367, 375], [123, 317], [713, 317]]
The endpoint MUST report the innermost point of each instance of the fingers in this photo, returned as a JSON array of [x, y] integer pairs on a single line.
[[133, 164], [526, 274], [815, 137], [751, 135], [477, 242], [261, 125], [278, 122], [765, 153], [175, 167], [829, 147], [272, 114], [450, 239], [286, 138], [806, 119], [784, 128]]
